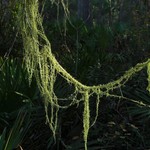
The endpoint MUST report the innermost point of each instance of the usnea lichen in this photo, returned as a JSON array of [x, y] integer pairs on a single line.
[[41, 63]]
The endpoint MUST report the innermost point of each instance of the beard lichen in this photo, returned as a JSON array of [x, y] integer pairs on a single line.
[[148, 79], [41, 63]]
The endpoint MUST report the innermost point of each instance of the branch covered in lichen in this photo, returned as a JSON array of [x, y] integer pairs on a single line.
[[41, 63]]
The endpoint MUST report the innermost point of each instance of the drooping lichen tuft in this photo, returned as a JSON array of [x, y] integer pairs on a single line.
[[42, 64], [86, 117], [148, 78]]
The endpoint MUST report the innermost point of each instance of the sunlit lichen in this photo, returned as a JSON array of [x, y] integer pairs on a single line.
[[41, 63], [148, 79]]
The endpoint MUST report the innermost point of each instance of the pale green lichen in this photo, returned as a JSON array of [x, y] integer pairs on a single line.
[[41, 63], [86, 117], [148, 79]]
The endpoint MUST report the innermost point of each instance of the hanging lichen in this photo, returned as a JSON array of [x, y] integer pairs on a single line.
[[41, 63], [148, 79], [86, 116]]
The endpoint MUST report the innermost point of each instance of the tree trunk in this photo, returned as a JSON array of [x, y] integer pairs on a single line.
[[84, 11], [100, 18], [126, 6]]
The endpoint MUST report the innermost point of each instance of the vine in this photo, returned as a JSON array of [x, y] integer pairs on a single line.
[[41, 63]]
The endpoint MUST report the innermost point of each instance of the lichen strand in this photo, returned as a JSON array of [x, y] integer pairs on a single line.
[[148, 79], [28, 24], [99, 95], [86, 116], [42, 64]]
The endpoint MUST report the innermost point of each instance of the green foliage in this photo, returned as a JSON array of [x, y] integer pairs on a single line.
[[12, 138], [10, 42], [141, 113], [14, 87]]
